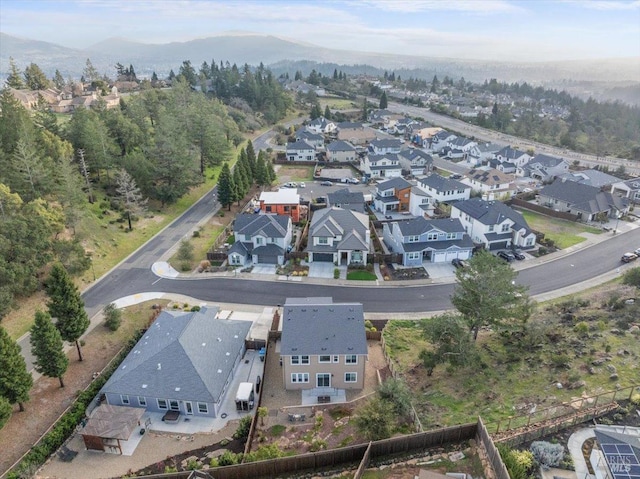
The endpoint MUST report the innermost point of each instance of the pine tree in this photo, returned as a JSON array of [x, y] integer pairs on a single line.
[[48, 349], [434, 84], [315, 112], [327, 112], [383, 100], [14, 80], [238, 181], [66, 306], [5, 411], [270, 171], [129, 196], [15, 380], [261, 172], [251, 159], [226, 188]]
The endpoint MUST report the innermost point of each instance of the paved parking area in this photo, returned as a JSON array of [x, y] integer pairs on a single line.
[[264, 269], [325, 270], [440, 270]]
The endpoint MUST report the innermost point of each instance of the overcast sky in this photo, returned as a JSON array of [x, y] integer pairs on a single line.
[[526, 30]]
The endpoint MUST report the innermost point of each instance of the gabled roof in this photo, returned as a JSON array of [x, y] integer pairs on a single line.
[[460, 142], [545, 160], [271, 226], [312, 328], [488, 147], [345, 197], [386, 143], [340, 145], [420, 225], [510, 153], [442, 135], [322, 122], [333, 221], [385, 156], [489, 177], [305, 134], [413, 154], [345, 125], [396, 183], [440, 183], [583, 197], [491, 212], [299, 145], [590, 177], [633, 184], [183, 356]]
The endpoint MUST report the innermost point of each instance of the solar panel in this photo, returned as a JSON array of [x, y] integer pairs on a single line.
[[622, 461]]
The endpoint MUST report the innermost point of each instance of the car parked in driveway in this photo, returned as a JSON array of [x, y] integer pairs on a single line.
[[629, 257], [459, 263], [326, 183], [506, 255], [519, 255]]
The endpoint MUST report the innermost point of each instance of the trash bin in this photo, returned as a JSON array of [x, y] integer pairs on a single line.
[[258, 385]]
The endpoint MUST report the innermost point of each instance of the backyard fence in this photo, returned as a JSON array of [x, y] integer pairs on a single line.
[[543, 209], [491, 451]]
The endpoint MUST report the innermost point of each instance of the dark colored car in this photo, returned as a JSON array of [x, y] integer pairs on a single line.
[[458, 263], [326, 183], [506, 255], [519, 255], [455, 176]]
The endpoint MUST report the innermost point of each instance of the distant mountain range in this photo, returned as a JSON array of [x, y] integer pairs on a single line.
[[281, 53]]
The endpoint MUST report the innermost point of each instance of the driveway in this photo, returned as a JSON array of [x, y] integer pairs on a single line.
[[264, 269], [325, 270]]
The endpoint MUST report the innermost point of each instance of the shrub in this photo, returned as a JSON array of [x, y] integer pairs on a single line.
[[113, 317], [632, 277], [229, 459], [547, 454], [581, 329], [635, 399], [193, 465], [196, 234], [518, 463], [243, 428], [336, 273], [195, 309]]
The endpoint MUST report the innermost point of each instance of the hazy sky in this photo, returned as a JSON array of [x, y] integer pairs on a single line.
[[484, 29]]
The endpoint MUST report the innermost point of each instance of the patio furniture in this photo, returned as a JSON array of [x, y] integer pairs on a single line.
[[171, 416], [66, 455]]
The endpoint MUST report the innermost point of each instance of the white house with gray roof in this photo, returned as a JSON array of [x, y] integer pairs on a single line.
[[322, 125], [444, 189], [314, 139], [441, 140], [346, 199], [340, 151], [493, 224], [260, 239], [339, 236], [628, 189], [323, 348], [416, 161], [512, 155], [591, 177], [385, 146], [300, 151], [185, 362], [543, 168], [419, 240], [381, 166]]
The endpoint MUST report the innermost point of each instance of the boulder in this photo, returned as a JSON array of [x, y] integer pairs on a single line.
[[614, 377]]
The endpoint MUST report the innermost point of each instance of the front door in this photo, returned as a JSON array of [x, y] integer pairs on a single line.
[[323, 380], [188, 407]]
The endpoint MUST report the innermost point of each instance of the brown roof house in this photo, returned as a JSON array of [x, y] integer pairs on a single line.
[[323, 349]]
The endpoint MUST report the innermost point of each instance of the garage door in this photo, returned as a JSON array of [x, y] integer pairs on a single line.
[[451, 255], [499, 245], [328, 257], [266, 259], [438, 257]]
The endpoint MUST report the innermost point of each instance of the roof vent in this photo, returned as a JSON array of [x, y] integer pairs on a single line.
[[235, 336], [159, 366], [144, 386], [228, 353], [219, 371], [219, 340], [177, 389]]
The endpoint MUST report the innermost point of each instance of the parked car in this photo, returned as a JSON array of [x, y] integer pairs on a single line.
[[519, 255], [506, 255], [629, 257], [353, 181], [459, 263], [290, 184], [326, 183], [302, 185], [455, 176], [637, 251]]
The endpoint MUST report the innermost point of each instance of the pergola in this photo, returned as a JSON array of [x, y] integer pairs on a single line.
[[108, 425]]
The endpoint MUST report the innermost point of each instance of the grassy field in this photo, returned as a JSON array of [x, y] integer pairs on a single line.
[[361, 275], [336, 103], [564, 343], [563, 233], [293, 173]]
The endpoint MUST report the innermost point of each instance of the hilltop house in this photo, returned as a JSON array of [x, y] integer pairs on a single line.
[[323, 350], [260, 239], [420, 240], [493, 224]]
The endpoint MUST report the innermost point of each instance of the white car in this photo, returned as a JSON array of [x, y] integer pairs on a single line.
[[302, 185]]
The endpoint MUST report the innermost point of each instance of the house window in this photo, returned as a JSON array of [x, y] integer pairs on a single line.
[[268, 209], [413, 239], [304, 359], [124, 398], [162, 404], [415, 255], [203, 408], [324, 359], [506, 227], [491, 227], [323, 380], [323, 240], [142, 401], [295, 359], [336, 359], [287, 209], [351, 359], [451, 236], [300, 378], [173, 405], [259, 240], [529, 242], [432, 236], [350, 377]]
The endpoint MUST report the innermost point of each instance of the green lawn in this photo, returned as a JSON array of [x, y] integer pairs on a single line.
[[564, 233], [361, 275], [338, 104]]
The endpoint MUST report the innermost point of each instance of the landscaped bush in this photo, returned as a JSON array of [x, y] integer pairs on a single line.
[[547, 454], [243, 428], [113, 317], [336, 273]]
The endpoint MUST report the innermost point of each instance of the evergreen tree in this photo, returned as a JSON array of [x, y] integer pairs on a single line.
[[226, 188], [66, 306], [327, 112], [14, 80], [48, 349], [34, 78], [335, 74], [129, 196], [239, 182], [58, 80], [5, 411], [261, 172], [383, 100], [365, 110], [15, 380], [315, 112], [434, 84], [270, 171], [251, 159]]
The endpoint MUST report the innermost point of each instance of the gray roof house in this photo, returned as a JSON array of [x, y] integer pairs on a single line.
[[323, 350], [381, 166], [512, 155], [385, 145], [587, 202], [543, 168], [341, 151], [591, 177], [416, 161], [444, 189], [300, 151], [629, 189], [392, 196], [420, 240], [321, 125], [339, 236], [260, 239], [183, 363], [349, 200], [493, 224], [314, 139]]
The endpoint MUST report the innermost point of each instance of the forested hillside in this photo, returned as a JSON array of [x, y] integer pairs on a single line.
[[59, 174]]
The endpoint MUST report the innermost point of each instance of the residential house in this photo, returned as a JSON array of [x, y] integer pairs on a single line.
[[184, 363], [420, 240], [503, 166], [463, 144], [341, 151], [420, 203], [304, 88], [323, 348], [543, 168], [314, 139], [339, 236], [401, 125], [482, 153], [444, 190], [493, 184], [260, 239], [393, 196], [381, 166], [385, 146], [512, 155], [285, 201], [628, 189], [422, 136], [300, 151], [587, 202], [322, 125], [591, 177], [493, 224], [441, 140], [383, 118], [416, 161], [346, 199], [356, 133]]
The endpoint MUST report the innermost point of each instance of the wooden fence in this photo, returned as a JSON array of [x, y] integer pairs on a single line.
[[364, 463], [492, 455], [543, 209]]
